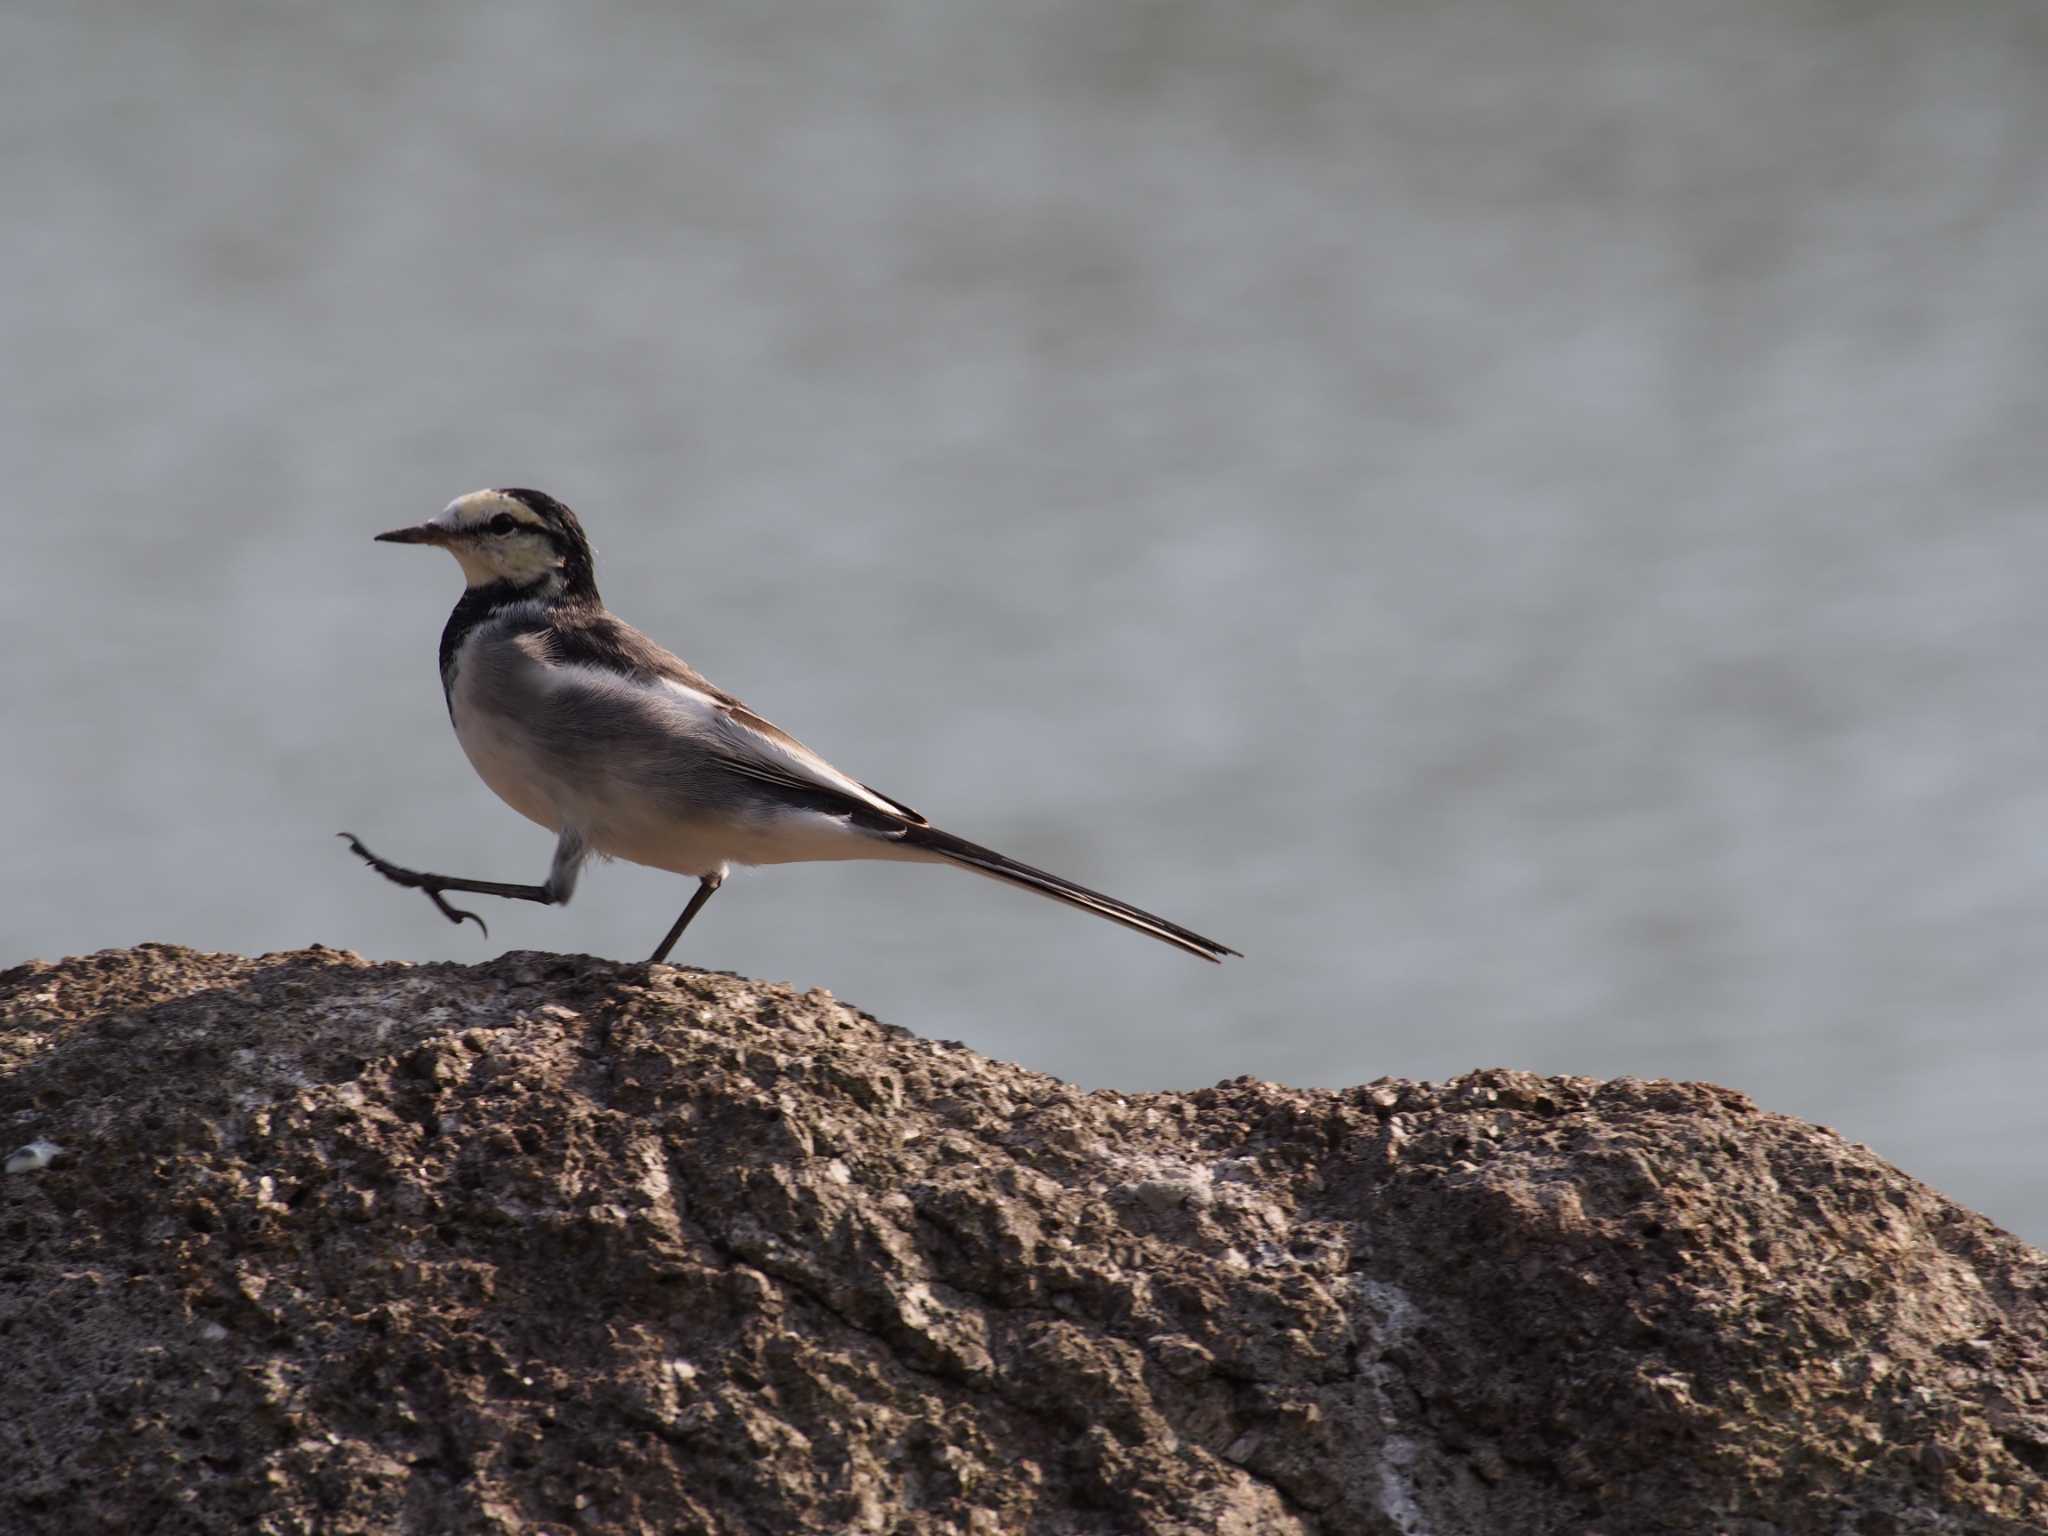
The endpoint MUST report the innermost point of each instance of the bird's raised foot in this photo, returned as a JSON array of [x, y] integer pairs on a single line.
[[413, 880]]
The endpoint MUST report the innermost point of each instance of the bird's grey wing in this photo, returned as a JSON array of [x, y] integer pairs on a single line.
[[737, 738], [592, 637], [771, 754]]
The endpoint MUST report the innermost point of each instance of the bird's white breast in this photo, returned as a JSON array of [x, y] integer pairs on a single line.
[[501, 749]]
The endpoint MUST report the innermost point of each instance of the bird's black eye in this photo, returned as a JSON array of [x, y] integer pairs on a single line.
[[504, 522]]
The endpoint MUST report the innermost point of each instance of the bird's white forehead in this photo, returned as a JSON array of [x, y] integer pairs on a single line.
[[480, 507]]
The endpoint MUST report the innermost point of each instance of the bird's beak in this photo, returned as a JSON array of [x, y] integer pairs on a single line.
[[425, 533]]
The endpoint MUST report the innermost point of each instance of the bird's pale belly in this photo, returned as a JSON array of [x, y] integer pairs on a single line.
[[620, 820], [505, 762]]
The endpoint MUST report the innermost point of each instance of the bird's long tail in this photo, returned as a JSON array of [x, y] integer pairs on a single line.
[[986, 861]]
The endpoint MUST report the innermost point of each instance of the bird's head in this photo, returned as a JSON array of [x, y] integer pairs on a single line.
[[517, 538]]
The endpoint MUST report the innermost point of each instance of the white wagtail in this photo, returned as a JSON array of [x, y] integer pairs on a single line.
[[579, 722]]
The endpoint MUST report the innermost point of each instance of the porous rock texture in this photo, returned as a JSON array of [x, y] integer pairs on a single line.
[[556, 1245]]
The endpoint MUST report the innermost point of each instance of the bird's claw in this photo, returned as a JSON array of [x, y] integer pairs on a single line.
[[454, 914], [413, 880], [355, 846]]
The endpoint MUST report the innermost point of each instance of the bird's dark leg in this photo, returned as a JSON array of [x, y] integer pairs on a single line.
[[705, 887], [434, 885]]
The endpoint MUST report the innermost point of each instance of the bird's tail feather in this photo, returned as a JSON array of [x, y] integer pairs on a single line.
[[986, 861]]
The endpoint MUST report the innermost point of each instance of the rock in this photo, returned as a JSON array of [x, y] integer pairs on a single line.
[[555, 1245]]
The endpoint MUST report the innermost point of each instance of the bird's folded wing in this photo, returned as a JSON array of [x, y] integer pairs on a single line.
[[761, 750], [617, 655]]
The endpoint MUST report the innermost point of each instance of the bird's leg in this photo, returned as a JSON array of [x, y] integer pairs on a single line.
[[705, 887], [434, 885]]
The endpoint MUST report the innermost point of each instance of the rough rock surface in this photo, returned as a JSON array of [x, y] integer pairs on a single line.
[[556, 1245]]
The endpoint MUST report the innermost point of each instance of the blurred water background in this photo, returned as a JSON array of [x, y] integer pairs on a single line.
[[1524, 518]]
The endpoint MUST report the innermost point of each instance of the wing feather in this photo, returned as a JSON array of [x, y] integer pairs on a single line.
[[795, 764], [746, 743]]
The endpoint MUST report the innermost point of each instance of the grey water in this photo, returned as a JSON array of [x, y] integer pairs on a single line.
[[1526, 519]]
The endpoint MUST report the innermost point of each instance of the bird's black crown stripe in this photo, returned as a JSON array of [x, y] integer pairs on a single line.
[[565, 532]]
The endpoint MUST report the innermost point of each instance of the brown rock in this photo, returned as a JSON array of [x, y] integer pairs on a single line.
[[554, 1245]]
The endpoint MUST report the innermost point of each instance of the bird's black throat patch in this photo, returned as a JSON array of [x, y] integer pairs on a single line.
[[479, 605]]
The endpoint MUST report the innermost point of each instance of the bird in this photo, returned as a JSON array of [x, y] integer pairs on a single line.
[[622, 749]]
